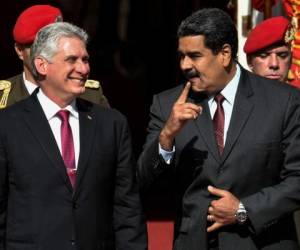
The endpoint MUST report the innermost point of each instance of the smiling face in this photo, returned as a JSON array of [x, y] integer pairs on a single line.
[[272, 62], [206, 71], [65, 75]]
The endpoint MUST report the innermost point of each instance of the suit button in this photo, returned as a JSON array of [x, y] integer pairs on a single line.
[[73, 242]]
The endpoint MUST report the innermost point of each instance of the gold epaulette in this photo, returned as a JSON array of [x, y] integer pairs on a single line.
[[290, 34], [5, 86], [92, 84]]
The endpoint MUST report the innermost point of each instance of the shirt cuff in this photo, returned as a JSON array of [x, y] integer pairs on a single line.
[[166, 155]]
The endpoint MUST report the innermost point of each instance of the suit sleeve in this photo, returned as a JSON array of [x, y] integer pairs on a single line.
[[3, 191], [129, 220], [151, 164], [273, 203]]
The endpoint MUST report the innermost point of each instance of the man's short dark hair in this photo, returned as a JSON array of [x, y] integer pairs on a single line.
[[215, 25]]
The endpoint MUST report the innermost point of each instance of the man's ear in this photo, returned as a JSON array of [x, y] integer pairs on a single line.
[[41, 65], [19, 50], [226, 54]]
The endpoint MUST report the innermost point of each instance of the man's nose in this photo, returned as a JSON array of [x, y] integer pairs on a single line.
[[82, 67], [185, 63], [274, 61]]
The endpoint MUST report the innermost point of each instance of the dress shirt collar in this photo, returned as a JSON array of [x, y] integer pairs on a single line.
[[30, 86], [51, 108], [230, 89]]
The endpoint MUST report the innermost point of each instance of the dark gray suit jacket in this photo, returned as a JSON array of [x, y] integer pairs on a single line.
[[260, 165], [39, 208]]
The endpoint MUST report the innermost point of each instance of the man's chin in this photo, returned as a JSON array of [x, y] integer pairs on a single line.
[[82, 90], [197, 87], [79, 91]]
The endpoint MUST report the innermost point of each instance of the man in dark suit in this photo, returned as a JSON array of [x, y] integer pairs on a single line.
[[67, 173], [268, 49], [18, 87], [230, 139]]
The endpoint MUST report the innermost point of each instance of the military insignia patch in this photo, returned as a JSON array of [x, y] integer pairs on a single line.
[[5, 87], [92, 84]]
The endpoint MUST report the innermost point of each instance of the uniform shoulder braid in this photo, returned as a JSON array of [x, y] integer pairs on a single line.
[[93, 93], [5, 87], [92, 84]]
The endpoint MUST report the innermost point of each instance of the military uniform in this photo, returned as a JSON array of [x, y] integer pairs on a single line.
[[13, 90]]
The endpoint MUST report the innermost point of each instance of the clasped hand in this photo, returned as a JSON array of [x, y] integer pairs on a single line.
[[222, 210]]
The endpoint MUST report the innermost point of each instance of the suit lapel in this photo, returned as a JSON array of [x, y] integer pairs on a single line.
[[87, 128], [36, 121], [242, 109], [205, 128]]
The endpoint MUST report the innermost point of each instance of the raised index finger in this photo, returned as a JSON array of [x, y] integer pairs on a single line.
[[184, 94]]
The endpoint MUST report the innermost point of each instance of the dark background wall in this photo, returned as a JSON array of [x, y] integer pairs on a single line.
[[132, 47]]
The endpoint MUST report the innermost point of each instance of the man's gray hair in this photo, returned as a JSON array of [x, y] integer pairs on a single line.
[[47, 40]]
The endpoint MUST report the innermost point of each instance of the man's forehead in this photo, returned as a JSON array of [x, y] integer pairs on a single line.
[[277, 48], [71, 47]]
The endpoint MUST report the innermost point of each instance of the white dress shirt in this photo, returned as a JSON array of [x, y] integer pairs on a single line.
[[229, 93], [50, 109], [30, 86]]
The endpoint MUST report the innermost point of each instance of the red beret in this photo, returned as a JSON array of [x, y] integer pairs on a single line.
[[32, 20], [266, 33]]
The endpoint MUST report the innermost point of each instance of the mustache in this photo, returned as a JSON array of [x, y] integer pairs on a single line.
[[190, 74]]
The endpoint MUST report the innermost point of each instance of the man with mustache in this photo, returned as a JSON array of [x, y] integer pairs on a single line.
[[229, 140], [268, 49]]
